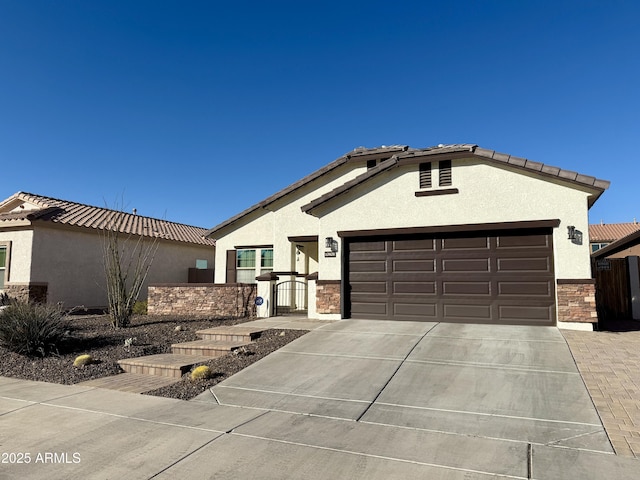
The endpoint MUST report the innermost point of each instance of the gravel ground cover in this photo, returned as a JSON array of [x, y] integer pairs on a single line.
[[93, 334]]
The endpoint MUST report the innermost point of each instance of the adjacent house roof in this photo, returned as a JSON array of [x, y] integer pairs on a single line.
[[398, 155], [610, 232], [621, 244], [37, 208]]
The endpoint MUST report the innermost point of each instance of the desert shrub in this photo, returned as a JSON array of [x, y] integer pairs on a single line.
[[33, 329], [140, 307], [201, 372], [4, 299], [83, 360]]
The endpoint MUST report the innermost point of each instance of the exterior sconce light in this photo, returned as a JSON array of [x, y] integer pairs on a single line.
[[331, 245], [571, 232]]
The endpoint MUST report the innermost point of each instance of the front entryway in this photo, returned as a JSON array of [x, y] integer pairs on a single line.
[[290, 298]]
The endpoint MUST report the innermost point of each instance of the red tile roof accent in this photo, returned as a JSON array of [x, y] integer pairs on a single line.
[[80, 215], [611, 232]]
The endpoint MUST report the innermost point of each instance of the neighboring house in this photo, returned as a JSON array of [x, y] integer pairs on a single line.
[[626, 246], [602, 234], [52, 249], [449, 233]]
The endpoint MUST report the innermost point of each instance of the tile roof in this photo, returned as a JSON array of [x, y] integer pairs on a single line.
[[610, 232], [618, 245], [462, 151], [79, 215], [404, 154]]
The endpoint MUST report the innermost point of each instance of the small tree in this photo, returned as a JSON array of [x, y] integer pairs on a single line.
[[127, 258]]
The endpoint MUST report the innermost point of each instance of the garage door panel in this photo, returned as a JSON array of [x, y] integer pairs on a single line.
[[420, 245], [414, 288], [472, 243], [524, 265], [368, 246], [523, 312], [519, 241], [543, 289], [466, 288], [466, 265], [368, 287], [462, 277], [415, 310], [368, 267], [414, 266], [455, 311]]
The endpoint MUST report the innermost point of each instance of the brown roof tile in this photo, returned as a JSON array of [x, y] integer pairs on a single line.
[[610, 232], [80, 215], [403, 152]]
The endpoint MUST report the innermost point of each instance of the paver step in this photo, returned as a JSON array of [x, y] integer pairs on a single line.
[[207, 348], [130, 382], [233, 333], [162, 365]]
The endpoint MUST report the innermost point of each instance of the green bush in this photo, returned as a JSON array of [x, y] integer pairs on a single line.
[[201, 373], [140, 307], [31, 328], [83, 360]]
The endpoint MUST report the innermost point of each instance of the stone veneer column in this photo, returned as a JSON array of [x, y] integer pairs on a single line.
[[28, 292], [328, 296], [577, 301]]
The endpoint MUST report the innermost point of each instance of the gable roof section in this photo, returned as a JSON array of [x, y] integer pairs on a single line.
[[357, 153], [464, 151], [398, 155], [619, 245], [610, 232], [64, 212]]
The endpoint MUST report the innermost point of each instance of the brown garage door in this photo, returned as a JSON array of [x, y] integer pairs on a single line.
[[486, 277]]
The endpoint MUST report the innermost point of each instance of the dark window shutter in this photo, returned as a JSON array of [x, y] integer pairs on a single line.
[[425, 175], [231, 266], [445, 173]]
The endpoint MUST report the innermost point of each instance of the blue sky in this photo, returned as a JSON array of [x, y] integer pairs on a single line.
[[193, 111]]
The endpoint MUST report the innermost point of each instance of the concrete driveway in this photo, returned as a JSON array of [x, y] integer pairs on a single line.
[[354, 400]]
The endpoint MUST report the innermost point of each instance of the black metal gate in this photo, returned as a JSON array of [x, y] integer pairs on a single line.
[[290, 298]]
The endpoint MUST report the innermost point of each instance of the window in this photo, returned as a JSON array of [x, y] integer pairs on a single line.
[[597, 246], [444, 178], [246, 271], [4, 264], [425, 175]]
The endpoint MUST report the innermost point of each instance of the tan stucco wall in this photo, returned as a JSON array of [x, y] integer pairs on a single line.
[[487, 194], [20, 255], [70, 261], [280, 220]]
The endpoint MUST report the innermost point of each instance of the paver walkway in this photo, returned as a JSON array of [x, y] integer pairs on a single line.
[[609, 363]]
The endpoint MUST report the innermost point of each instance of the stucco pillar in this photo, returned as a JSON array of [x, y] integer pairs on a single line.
[[264, 299]]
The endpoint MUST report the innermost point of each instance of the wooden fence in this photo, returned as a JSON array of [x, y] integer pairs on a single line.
[[613, 291]]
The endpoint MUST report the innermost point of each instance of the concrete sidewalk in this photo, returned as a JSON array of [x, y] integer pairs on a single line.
[[352, 400]]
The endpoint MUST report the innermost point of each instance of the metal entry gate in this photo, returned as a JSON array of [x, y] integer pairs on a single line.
[[290, 297]]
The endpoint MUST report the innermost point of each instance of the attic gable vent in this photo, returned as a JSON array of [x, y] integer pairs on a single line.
[[444, 168], [425, 175]]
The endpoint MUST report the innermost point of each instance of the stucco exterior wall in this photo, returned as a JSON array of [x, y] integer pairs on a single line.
[[487, 194], [20, 256], [70, 262], [283, 218]]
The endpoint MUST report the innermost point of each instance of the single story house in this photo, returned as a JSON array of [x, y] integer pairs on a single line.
[[52, 249], [603, 234], [627, 246], [453, 233]]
